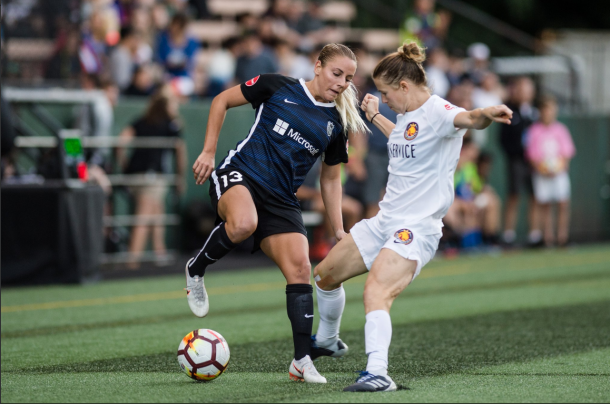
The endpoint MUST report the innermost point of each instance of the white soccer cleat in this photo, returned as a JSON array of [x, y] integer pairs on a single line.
[[305, 371], [196, 294], [336, 349]]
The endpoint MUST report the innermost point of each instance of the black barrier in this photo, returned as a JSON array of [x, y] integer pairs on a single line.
[[51, 233]]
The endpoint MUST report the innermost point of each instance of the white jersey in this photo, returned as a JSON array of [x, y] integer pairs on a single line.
[[424, 151]]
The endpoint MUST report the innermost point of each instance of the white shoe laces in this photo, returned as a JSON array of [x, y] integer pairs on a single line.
[[197, 289]]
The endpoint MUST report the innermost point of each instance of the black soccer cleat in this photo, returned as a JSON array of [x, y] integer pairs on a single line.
[[337, 350], [369, 383]]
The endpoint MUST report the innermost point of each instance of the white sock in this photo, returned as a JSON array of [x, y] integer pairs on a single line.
[[510, 236], [330, 307], [378, 335], [535, 236]]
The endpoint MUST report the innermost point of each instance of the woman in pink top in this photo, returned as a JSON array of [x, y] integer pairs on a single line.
[[550, 149]]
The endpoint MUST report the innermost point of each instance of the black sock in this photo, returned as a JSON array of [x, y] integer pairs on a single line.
[[299, 300], [217, 246]]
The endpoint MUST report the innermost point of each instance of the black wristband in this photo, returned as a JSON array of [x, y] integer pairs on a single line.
[[374, 116]]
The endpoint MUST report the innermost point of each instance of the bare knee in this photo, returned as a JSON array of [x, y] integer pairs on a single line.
[[240, 229], [325, 281], [301, 272]]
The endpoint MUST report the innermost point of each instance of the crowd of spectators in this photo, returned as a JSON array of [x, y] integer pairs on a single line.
[[136, 47], [139, 44]]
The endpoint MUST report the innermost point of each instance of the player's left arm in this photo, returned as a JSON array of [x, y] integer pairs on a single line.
[[332, 194], [481, 118]]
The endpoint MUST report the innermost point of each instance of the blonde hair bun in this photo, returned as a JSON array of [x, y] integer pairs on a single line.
[[413, 51]]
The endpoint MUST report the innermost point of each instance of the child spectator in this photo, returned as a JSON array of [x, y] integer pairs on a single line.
[[550, 149], [519, 170], [475, 214], [463, 216]]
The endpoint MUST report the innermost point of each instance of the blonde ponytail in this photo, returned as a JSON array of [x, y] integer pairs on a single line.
[[347, 102], [349, 109]]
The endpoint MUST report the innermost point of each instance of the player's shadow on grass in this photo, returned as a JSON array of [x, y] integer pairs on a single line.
[[429, 348]]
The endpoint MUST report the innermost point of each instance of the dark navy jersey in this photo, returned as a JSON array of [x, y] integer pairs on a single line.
[[292, 130]]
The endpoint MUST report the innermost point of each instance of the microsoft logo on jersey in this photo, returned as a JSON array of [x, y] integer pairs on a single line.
[[281, 127]]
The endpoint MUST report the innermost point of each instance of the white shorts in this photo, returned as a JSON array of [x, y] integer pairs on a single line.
[[371, 238], [552, 189]]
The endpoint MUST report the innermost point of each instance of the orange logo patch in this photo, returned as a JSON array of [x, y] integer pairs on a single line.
[[404, 236], [412, 131]]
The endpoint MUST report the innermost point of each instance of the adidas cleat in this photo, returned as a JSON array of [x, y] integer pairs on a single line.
[[305, 371], [337, 349], [369, 383], [196, 294]]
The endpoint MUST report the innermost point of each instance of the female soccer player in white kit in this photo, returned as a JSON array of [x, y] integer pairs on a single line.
[[424, 148]]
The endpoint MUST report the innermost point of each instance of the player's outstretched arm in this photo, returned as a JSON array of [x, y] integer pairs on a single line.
[[370, 105], [481, 118], [205, 163], [332, 194]]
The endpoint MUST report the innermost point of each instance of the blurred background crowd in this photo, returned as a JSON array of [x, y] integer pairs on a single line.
[[174, 52]]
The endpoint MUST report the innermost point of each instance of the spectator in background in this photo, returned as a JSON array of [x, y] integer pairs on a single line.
[[475, 214], [519, 169], [222, 66], [550, 149], [160, 17], [160, 120], [426, 26], [489, 203], [129, 53], [93, 48], [479, 61], [176, 50], [142, 23], [255, 60], [311, 20], [461, 94], [457, 70], [463, 216], [305, 67], [247, 22], [291, 63], [438, 66], [490, 92], [142, 83], [97, 119], [200, 9], [65, 64]]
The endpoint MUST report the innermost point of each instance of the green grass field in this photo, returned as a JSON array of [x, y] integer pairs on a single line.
[[521, 327]]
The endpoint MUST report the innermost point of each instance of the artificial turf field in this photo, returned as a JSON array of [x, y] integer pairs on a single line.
[[520, 327]]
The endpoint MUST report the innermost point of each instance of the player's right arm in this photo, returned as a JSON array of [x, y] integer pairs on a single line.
[[206, 162], [370, 105]]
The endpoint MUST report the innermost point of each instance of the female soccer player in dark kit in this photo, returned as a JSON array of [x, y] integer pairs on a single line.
[[253, 188]]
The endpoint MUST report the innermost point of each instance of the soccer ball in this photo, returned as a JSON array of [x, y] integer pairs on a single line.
[[203, 355]]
